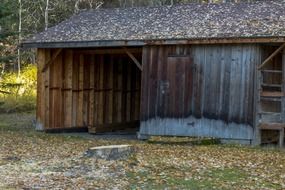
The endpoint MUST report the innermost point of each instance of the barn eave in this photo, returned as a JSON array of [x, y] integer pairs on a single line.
[[125, 43]]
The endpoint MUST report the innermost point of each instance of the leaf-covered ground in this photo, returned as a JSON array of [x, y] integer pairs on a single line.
[[35, 160]]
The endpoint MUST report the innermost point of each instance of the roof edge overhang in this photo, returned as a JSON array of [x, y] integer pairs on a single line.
[[126, 43]]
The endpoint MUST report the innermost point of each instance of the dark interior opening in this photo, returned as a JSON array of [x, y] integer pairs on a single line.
[[117, 90]]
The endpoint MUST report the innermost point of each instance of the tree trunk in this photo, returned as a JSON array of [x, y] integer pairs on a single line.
[[19, 37], [46, 14]]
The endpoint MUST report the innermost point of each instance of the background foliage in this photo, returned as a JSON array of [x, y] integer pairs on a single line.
[[20, 91]]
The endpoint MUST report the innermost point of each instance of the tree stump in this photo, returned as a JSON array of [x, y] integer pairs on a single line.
[[112, 152]]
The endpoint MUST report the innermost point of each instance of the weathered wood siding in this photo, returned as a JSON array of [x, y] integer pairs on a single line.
[[199, 90], [83, 89]]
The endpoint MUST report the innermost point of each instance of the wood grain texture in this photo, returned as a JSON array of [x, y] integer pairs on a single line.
[[88, 90], [208, 82], [40, 89]]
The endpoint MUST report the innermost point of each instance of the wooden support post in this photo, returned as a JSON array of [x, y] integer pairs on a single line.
[[40, 90], [272, 56], [133, 58], [256, 124], [281, 138], [54, 56]]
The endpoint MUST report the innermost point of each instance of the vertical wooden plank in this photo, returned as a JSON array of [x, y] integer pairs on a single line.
[[75, 87], [134, 83], [255, 77], [111, 91], [91, 92], [144, 83], [255, 97], [217, 82], [180, 86], [128, 89], [211, 83], [283, 89], [41, 54], [115, 89], [156, 60], [171, 76], [86, 89], [132, 91], [188, 85], [57, 95], [281, 136], [120, 89], [96, 89], [80, 110], [138, 92], [200, 81], [226, 85], [51, 95], [47, 91], [160, 54], [248, 83], [101, 91], [199, 96], [222, 81], [68, 62], [106, 89], [124, 89]]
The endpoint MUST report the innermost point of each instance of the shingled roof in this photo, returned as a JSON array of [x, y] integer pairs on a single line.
[[187, 21]]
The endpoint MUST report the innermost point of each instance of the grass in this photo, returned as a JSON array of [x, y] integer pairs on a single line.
[[212, 179], [37, 160]]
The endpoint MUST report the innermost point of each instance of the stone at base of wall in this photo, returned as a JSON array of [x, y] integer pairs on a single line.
[[39, 126], [142, 136]]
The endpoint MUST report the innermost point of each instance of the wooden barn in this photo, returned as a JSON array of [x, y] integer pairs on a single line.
[[207, 70]]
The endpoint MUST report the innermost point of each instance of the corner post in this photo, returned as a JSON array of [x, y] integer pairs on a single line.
[[257, 136], [41, 59]]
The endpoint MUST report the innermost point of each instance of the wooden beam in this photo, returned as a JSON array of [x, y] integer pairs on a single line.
[[271, 126], [107, 51], [281, 134], [54, 56], [133, 58], [272, 56], [132, 43], [272, 94]]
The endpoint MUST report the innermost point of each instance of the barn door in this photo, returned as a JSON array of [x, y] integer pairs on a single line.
[[176, 90]]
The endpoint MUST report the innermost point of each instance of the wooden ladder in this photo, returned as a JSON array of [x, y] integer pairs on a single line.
[[270, 95]]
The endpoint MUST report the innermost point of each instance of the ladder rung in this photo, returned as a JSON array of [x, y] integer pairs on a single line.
[[269, 113], [271, 94], [271, 126], [272, 85], [271, 71], [270, 117], [273, 99]]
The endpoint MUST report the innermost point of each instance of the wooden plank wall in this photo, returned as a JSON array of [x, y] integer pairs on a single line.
[[79, 90], [217, 84]]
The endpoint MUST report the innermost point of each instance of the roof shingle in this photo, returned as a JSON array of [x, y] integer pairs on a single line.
[[187, 21]]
